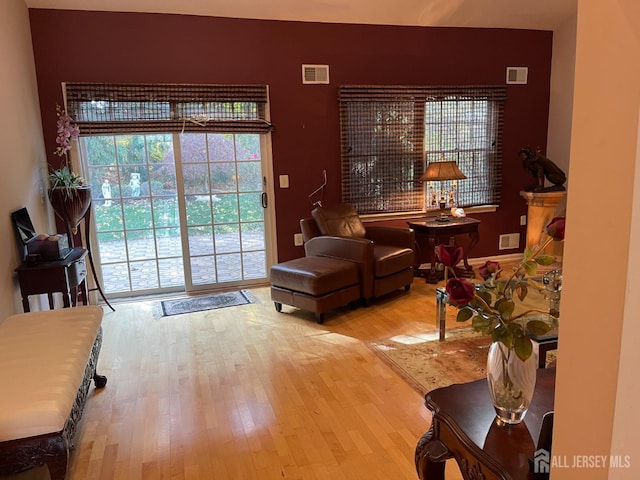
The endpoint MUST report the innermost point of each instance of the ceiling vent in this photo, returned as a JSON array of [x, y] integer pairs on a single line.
[[315, 74], [517, 75]]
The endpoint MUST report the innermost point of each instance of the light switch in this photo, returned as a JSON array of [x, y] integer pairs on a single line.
[[284, 181]]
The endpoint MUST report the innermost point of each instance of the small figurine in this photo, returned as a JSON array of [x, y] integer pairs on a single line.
[[541, 167], [134, 184], [106, 192]]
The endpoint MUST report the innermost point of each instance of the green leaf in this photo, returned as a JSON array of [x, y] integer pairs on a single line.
[[531, 267], [523, 347], [481, 324], [538, 327], [522, 289], [515, 329], [545, 259], [464, 314], [505, 308], [486, 296], [503, 335]]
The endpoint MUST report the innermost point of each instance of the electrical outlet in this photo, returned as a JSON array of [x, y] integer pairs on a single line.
[[523, 219], [284, 181], [297, 240]]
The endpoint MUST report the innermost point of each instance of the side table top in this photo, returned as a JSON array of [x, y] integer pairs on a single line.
[[453, 222], [76, 254], [467, 411]]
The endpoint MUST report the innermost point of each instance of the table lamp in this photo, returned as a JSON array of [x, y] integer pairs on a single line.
[[441, 172]]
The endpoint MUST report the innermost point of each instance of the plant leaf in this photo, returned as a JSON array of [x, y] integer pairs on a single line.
[[481, 324], [528, 252], [531, 267], [523, 347], [502, 335], [464, 314], [522, 289], [538, 327], [545, 259], [486, 296], [505, 308]]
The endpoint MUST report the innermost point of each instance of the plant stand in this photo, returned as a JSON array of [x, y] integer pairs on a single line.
[[72, 206], [87, 237]]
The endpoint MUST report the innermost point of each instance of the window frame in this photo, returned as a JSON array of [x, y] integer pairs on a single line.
[[360, 140]]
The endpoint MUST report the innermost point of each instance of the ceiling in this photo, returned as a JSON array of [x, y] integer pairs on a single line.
[[522, 14]]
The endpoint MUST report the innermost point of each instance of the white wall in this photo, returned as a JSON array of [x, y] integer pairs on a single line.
[[22, 154], [596, 363]]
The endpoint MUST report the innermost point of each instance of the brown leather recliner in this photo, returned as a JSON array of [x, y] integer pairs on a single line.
[[384, 255]]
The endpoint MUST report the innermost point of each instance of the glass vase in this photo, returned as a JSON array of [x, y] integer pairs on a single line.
[[511, 382]]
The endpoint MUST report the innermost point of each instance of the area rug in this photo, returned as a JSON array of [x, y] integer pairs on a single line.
[[426, 363], [205, 302]]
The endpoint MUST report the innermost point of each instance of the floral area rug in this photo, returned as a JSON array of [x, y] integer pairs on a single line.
[[425, 363], [205, 302]]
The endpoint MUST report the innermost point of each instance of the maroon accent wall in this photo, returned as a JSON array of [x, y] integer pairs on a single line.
[[84, 46]]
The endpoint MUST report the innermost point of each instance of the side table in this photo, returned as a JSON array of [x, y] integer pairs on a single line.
[[431, 233], [67, 276], [464, 428]]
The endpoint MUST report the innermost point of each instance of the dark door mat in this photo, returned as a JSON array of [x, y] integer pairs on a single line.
[[205, 302]]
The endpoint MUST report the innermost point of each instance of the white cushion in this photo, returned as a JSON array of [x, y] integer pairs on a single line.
[[43, 356]]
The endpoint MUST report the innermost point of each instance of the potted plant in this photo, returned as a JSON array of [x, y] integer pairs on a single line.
[[511, 367], [68, 193]]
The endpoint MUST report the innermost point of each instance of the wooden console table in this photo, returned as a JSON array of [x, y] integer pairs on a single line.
[[67, 276], [464, 428], [431, 233]]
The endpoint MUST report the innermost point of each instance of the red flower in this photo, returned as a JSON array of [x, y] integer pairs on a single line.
[[488, 269], [460, 291], [450, 256], [555, 229]]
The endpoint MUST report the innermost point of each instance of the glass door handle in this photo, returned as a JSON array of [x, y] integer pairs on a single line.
[[265, 200]]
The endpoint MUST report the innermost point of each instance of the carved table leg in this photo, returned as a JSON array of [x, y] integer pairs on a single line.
[[475, 237], [431, 455], [57, 459]]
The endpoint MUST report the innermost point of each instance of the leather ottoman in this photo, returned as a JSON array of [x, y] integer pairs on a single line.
[[316, 284]]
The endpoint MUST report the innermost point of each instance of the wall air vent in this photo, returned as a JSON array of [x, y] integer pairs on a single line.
[[511, 240], [517, 75], [315, 74]]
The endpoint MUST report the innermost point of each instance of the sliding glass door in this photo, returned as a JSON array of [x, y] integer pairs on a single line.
[[223, 208], [179, 211]]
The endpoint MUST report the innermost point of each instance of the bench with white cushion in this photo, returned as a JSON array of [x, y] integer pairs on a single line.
[[47, 362]]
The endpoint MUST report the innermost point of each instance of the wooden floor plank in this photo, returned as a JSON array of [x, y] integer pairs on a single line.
[[246, 393]]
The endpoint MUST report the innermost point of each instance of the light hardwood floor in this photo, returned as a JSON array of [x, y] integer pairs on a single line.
[[248, 393]]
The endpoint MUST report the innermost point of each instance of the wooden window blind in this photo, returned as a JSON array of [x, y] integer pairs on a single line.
[[107, 108], [389, 134]]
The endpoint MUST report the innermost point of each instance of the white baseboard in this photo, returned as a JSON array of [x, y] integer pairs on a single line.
[[508, 258]]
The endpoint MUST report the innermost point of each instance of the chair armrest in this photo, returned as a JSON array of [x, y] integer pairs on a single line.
[[309, 229], [353, 249], [398, 237]]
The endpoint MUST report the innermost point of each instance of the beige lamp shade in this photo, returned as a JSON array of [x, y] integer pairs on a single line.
[[442, 171]]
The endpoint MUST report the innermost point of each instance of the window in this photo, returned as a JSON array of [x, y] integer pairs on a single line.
[[101, 108], [389, 134]]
